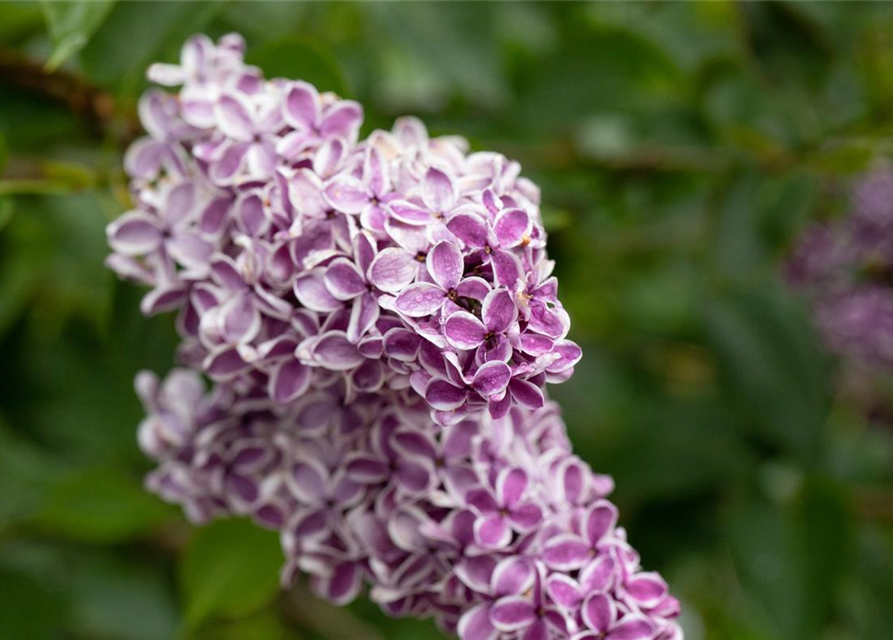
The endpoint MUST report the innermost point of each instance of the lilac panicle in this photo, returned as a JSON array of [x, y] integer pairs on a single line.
[[378, 319], [846, 269]]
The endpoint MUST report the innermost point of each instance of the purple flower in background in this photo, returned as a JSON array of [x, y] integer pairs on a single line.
[[379, 322], [845, 267]]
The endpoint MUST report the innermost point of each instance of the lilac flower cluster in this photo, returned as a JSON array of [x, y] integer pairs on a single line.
[[378, 319], [292, 249], [846, 268]]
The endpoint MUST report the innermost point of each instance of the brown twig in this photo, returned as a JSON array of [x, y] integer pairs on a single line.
[[96, 107], [309, 612]]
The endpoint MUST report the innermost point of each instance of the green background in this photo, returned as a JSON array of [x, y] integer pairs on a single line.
[[680, 149]]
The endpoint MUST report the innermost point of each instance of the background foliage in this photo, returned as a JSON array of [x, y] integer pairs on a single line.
[[680, 148]]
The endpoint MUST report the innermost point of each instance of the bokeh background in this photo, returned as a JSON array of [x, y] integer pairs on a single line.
[[681, 147]]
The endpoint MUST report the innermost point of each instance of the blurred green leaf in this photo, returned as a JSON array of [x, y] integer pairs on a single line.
[[32, 123], [113, 597], [454, 41], [263, 21], [772, 364], [7, 210], [26, 474], [99, 504], [597, 69], [20, 19], [300, 59], [264, 625], [28, 609], [138, 33], [231, 568], [791, 558], [869, 594], [692, 33], [71, 25]]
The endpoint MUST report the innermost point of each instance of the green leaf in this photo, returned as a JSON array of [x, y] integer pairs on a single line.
[[298, 58], [20, 19], [454, 42], [264, 624], [25, 475], [4, 153], [28, 608], [231, 568], [109, 593], [7, 210], [771, 364], [100, 505], [791, 558], [71, 25], [139, 33], [868, 598]]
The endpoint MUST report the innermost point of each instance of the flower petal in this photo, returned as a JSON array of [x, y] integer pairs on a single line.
[[525, 517], [363, 315], [566, 552], [632, 627], [134, 234], [506, 268], [405, 211], [499, 311], [301, 108], [512, 576], [250, 214], [289, 380], [492, 532], [599, 612], [420, 299], [366, 469], [600, 521], [511, 226], [564, 591], [308, 481], [527, 394], [463, 331], [443, 396], [312, 293], [342, 119], [233, 115], [375, 173], [347, 194], [469, 228], [475, 624], [230, 164], [491, 379], [393, 269], [648, 588], [401, 344], [439, 192], [335, 352], [512, 613], [445, 265], [344, 585], [510, 486], [344, 280]]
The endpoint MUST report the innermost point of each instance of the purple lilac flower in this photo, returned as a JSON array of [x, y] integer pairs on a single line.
[[846, 269], [378, 320]]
